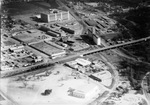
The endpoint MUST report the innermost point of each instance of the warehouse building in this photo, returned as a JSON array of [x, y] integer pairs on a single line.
[[96, 38], [91, 22], [55, 16], [84, 91], [70, 31], [101, 76], [52, 32], [83, 62], [57, 54], [9, 44]]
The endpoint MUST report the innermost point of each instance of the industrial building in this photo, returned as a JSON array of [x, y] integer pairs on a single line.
[[83, 62], [84, 91], [52, 32], [9, 44], [96, 38], [49, 49], [100, 76], [90, 22], [70, 31], [55, 16], [58, 54], [17, 49], [78, 62]]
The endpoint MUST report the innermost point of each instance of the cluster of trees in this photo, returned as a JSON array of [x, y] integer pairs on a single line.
[[141, 17], [135, 72], [7, 22]]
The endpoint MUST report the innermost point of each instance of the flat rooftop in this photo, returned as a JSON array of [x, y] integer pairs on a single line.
[[86, 88], [8, 43], [91, 22], [103, 75], [31, 36], [47, 48]]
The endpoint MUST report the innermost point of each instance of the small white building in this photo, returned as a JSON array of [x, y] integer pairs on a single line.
[[17, 48], [103, 75], [58, 54], [84, 91], [83, 62], [94, 4]]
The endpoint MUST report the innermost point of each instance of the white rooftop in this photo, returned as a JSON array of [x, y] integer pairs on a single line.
[[103, 75], [86, 88], [83, 62]]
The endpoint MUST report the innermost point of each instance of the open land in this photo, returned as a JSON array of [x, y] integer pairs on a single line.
[[59, 83]]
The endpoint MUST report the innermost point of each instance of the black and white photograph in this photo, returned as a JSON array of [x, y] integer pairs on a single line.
[[75, 52]]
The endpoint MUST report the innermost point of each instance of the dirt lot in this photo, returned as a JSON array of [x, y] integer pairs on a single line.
[[59, 80]]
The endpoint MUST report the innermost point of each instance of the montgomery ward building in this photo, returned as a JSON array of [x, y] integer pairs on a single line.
[[55, 15]]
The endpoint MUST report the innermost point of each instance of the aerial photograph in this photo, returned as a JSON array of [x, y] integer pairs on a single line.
[[75, 52]]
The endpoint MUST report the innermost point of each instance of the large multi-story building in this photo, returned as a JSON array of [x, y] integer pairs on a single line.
[[96, 38], [55, 16]]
